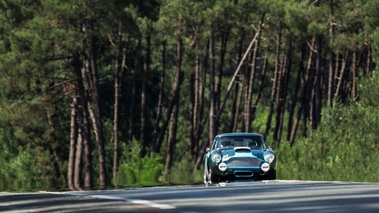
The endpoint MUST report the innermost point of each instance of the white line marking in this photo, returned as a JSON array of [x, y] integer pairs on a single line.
[[135, 201]]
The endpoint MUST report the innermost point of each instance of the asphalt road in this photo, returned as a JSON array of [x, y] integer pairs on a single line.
[[236, 197]]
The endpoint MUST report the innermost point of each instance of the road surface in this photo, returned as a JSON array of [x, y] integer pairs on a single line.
[[236, 197]]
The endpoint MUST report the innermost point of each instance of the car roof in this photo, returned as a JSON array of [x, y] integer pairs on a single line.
[[238, 134]]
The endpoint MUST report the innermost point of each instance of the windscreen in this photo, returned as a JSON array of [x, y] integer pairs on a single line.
[[253, 142]]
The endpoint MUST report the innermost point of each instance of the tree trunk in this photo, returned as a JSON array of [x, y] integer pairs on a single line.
[[294, 95], [73, 142], [132, 108], [120, 67], [175, 111], [132, 126], [233, 113], [212, 107], [202, 119], [236, 72], [171, 139], [53, 172], [315, 86], [84, 124], [158, 117], [354, 76], [249, 94], [340, 78], [336, 70], [193, 90], [319, 89], [78, 158], [97, 117], [280, 99], [331, 56], [220, 71], [194, 104], [275, 81], [285, 89], [235, 110], [305, 110], [166, 121], [143, 114], [368, 58], [199, 104], [260, 86], [303, 94]]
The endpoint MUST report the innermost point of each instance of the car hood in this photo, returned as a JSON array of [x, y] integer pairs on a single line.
[[243, 152]]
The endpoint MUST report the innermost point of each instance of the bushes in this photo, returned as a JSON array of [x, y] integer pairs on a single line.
[[19, 173], [343, 148], [136, 171], [183, 171], [149, 171], [327, 161]]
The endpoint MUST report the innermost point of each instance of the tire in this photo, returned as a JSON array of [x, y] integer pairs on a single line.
[[271, 175], [209, 176], [212, 177], [205, 177]]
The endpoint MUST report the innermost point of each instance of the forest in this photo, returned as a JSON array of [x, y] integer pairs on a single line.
[[108, 94]]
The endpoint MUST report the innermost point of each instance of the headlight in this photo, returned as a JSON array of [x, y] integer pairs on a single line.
[[265, 167], [216, 158], [222, 167], [269, 157]]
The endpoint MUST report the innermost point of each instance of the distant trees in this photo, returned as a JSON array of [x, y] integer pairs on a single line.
[[82, 80]]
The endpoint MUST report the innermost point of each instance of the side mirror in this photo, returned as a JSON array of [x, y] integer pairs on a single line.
[[208, 149]]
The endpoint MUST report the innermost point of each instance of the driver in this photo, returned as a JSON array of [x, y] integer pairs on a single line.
[[226, 143]]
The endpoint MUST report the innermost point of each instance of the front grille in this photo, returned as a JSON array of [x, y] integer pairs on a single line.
[[243, 173], [244, 162]]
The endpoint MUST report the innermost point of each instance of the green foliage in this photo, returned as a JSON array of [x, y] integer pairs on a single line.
[[294, 17], [19, 171], [344, 147], [183, 172], [136, 171], [38, 38]]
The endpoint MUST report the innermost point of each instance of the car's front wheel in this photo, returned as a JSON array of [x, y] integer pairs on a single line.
[[212, 177], [205, 177], [271, 175]]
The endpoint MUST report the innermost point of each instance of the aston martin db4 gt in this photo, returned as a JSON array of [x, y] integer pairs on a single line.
[[239, 156]]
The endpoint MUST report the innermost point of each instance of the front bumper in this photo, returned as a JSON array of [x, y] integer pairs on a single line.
[[243, 168], [242, 172]]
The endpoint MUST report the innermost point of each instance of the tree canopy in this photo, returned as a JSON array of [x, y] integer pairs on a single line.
[[97, 94]]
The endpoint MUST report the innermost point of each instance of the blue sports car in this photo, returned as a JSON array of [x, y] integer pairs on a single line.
[[239, 155]]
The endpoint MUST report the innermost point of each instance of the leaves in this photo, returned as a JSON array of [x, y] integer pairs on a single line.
[[343, 147], [38, 40], [136, 171]]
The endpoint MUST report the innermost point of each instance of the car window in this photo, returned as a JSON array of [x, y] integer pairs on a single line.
[[253, 142]]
